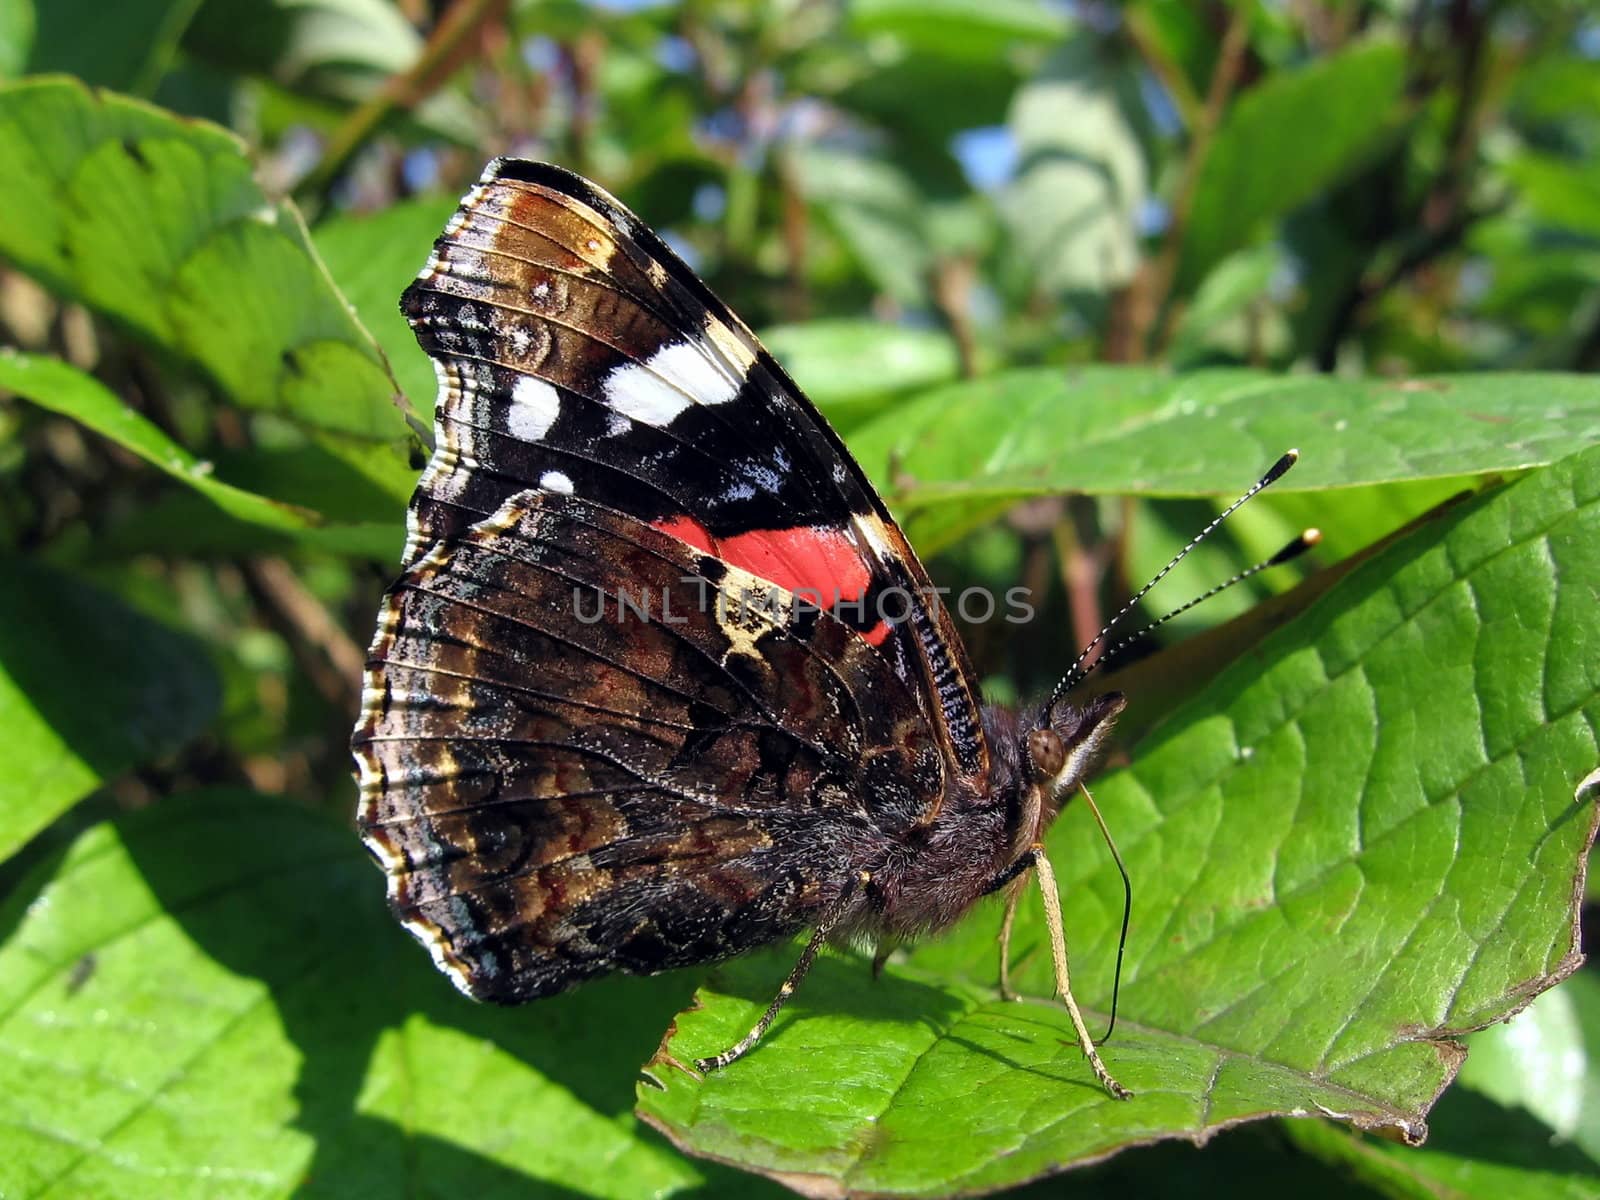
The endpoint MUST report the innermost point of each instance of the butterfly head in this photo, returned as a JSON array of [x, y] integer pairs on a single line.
[[1066, 741]]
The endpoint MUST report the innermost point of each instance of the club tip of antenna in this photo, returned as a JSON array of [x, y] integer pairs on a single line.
[[1298, 546], [1279, 468]]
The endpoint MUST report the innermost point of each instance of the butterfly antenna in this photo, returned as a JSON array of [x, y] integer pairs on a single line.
[[1078, 672], [1127, 909], [1293, 550]]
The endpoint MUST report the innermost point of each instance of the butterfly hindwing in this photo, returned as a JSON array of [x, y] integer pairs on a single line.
[[576, 353], [586, 746]]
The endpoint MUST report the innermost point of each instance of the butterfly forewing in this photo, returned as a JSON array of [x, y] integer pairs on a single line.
[[577, 354]]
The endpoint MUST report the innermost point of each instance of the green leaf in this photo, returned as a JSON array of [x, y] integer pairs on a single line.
[[191, 255], [126, 46], [1561, 192], [1356, 844], [849, 366], [928, 71], [1072, 208], [53, 384], [17, 25], [1479, 1152], [339, 51], [88, 688], [874, 208], [972, 29], [1520, 1122], [1228, 313], [185, 525], [1546, 1060], [1560, 87], [1540, 294], [300, 43], [1147, 432], [1158, 529], [1265, 162], [372, 259], [210, 999], [241, 521], [1351, 519], [1175, 34]]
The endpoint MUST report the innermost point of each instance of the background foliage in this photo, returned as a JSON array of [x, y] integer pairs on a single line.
[[1066, 276]]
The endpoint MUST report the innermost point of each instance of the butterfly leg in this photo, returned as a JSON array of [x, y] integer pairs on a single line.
[[886, 946], [1013, 898], [1058, 951], [830, 918]]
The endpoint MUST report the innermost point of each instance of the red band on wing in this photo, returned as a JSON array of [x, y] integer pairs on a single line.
[[687, 529], [822, 565]]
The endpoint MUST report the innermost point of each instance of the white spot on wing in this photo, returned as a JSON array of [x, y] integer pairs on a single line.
[[634, 392], [534, 408], [674, 377], [556, 481]]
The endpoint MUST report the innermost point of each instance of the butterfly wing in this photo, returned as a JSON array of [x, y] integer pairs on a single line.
[[586, 746], [577, 353]]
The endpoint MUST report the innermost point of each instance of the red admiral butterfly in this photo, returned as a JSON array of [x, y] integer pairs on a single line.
[[584, 747]]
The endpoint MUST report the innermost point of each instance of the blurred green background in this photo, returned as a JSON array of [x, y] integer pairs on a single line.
[[199, 512]]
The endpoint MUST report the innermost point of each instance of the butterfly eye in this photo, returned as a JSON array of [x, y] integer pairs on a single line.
[[1046, 753]]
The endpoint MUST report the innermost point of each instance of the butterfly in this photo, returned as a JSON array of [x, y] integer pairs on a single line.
[[662, 680]]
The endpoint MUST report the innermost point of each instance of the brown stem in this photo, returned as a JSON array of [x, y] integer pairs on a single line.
[[449, 45], [1444, 218], [1470, 31], [330, 659], [1137, 22], [953, 279], [1138, 308], [1224, 78], [585, 55], [796, 238], [1082, 569]]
